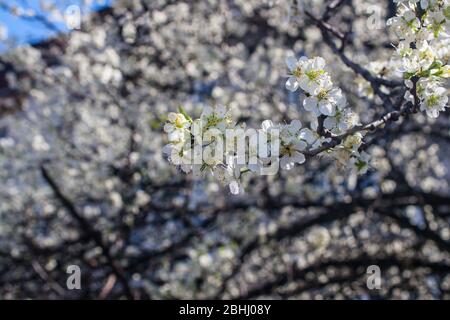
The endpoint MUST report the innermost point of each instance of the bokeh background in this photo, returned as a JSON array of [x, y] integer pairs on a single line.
[[83, 180]]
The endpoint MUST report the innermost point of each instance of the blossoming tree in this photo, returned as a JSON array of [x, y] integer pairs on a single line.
[[93, 139]]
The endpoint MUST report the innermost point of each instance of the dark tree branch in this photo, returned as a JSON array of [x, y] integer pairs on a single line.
[[89, 231]]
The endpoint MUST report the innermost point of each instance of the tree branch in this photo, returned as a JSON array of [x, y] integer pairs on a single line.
[[89, 231]]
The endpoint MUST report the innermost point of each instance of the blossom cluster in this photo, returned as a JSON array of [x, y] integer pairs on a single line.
[[422, 26], [206, 144], [325, 100], [209, 144], [423, 30]]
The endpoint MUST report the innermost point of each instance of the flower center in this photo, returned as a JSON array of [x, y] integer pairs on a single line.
[[179, 122], [433, 100], [212, 121], [297, 72], [322, 94], [286, 150], [314, 74], [360, 164], [426, 55]]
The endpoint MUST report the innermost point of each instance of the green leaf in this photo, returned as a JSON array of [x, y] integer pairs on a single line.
[[408, 75], [436, 64]]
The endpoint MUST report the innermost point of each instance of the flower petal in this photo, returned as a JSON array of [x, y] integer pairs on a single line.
[[298, 157], [310, 103], [172, 116], [286, 163], [266, 125], [329, 123], [307, 135], [433, 113], [292, 84], [295, 125], [168, 127], [300, 146], [327, 108], [291, 63]]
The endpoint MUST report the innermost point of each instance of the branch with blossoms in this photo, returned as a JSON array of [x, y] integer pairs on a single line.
[[422, 29]]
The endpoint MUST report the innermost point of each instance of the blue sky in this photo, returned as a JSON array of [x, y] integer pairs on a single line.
[[25, 31]]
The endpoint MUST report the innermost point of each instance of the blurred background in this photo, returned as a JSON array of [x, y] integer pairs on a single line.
[[83, 180]]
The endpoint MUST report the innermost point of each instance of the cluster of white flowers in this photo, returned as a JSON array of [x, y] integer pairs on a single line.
[[186, 138], [347, 154], [310, 76], [208, 140], [322, 98], [327, 101], [178, 130], [194, 145], [292, 142], [205, 144], [422, 26]]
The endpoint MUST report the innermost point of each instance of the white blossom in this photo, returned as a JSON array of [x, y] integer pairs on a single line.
[[341, 121], [326, 102], [433, 100]]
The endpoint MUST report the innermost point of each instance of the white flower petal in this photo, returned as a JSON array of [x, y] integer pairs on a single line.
[[172, 116], [300, 146], [311, 87], [295, 125], [291, 63], [327, 108], [168, 127], [310, 103], [329, 123], [292, 84], [308, 136], [343, 126], [302, 59], [319, 63], [286, 163], [298, 157], [175, 136], [266, 125], [433, 113]]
